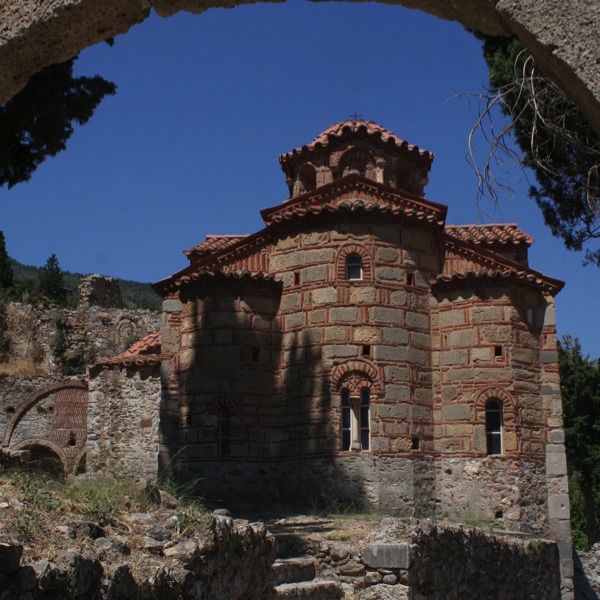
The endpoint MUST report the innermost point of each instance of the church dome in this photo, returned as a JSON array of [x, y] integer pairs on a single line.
[[360, 148]]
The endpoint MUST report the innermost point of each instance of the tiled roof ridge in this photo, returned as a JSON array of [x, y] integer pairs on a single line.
[[490, 233], [214, 242], [337, 130], [495, 262]]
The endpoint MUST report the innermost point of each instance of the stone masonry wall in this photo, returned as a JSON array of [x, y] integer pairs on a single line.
[[123, 421]]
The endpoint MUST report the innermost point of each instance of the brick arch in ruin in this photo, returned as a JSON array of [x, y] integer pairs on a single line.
[[68, 423], [562, 36]]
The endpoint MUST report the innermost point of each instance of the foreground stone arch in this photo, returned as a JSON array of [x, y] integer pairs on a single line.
[[562, 36]]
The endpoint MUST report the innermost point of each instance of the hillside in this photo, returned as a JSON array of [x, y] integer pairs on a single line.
[[135, 294]]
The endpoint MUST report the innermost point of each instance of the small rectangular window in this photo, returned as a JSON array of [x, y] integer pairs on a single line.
[[410, 279], [297, 278], [366, 350], [346, 420], [498, 351], [255, 354]]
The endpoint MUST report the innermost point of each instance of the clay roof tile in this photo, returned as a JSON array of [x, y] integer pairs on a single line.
[[490, 235], [338, 129]]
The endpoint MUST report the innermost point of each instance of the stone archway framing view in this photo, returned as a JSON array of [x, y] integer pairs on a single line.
[[562, 36]]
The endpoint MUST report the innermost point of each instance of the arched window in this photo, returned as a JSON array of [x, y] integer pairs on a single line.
[[356, 433], [358, 168], [354, 269], [493, 426], [224, 432]]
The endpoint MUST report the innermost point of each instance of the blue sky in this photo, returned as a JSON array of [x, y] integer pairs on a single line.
[[206, 103]]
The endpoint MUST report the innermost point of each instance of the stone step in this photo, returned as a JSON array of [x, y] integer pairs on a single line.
[[309, 590], [293, 570]]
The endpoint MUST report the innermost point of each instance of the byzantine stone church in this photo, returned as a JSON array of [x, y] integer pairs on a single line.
[[356, 348]]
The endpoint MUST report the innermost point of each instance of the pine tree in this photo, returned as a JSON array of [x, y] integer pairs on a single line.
[[52, 282], [7, 277]]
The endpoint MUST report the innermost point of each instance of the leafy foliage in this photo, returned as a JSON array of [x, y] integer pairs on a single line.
[[52, 282], [38, 121], [557, 142], [580, 389]]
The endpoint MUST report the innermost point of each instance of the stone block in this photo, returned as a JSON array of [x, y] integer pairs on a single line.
[[558, 506], [170, 306], [291, 301], [316, 273], [391, 353], [482, 355], [417, 320], [481, 314], [340, 351], [320, 256], [287, 243], [363, 295], [549, 357], [336, 334], [326, 295], [397, 392], [366, 334], [395, 335], [397, 373], [452, 317], [453, 357], [556, 463], [317, 316], [294, 320], [389, 255], [456, 412], [418, 357], [315, 237], [387, 315], [557, 436], [387, 556], [345, 314], [399, 298], [389, 273]]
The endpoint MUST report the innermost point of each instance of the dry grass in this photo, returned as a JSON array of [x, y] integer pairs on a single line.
[[22, 366]]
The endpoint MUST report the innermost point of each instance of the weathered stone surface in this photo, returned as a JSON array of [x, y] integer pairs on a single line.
[[388, 556], [314, 590]]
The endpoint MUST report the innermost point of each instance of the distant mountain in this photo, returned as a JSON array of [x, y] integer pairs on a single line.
[[135, 294]]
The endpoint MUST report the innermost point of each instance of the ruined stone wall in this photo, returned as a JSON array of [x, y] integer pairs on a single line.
[[123, 421], [448, 563], [32, 333]]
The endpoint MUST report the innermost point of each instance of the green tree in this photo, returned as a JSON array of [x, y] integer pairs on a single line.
[[52, 282], [556, 140], [7, 277], [580, 390], [38, 121]]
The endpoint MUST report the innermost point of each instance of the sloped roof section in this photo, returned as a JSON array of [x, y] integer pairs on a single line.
[[493, 234], [371, 128], [466, 263], [213, 243], [354, 193], [145, 352]]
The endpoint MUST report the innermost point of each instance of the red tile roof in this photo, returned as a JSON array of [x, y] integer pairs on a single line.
[[355, 193], [337, 130], [213, 243], [145, 352], [492, 234]]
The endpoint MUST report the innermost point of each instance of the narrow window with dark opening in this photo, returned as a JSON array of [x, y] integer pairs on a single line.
[[346, 420], [497, 351], [410, 279], [297, 278], [255, 354], [415, 443], [365, 417], [493, 426], [224, 432], [366, 350]]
